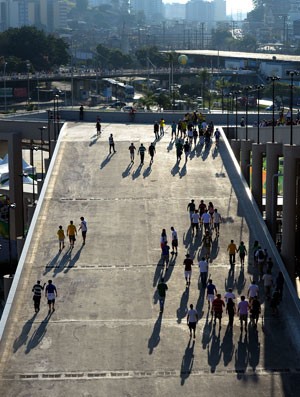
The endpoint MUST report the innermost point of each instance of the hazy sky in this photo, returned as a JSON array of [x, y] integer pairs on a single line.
[[233, 6]]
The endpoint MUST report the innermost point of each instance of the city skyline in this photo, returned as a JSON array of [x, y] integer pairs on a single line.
[[233, 6]]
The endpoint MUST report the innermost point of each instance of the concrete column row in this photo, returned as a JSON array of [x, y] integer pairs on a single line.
[[247, 152]]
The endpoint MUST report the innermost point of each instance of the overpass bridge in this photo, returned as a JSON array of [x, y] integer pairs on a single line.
[[106, 336]]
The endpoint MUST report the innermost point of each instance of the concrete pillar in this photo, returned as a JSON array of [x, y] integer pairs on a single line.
[[7, 282], [3, 148], [273, 151], [290, 182], [236, 148], [16, 185], [20, 245], [246, 148], [258, 151]]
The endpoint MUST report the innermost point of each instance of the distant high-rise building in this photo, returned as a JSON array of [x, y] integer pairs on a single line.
[[200, 11], [153, 9], [175, 11]]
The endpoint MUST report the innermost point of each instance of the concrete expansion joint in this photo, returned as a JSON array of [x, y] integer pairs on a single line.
[[90, 375]]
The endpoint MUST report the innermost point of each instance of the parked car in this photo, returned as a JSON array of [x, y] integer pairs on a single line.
[[118, 104]]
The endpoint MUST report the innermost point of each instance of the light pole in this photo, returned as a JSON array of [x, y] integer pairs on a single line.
[[42, 154], [9, 208], [258, 87], [4, 84], [33, 174], [273, 79], [236, 93], [291, 73], [247, 89], [22, 203], [28, 84]]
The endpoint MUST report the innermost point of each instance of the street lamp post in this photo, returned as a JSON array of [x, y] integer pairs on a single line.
[[33, 173], [247, 89], [258, 87], [42, 155], [4, 84], [22, 203], [292, 73], [9, 208], [236, 93], [28, 84], [273, 79]]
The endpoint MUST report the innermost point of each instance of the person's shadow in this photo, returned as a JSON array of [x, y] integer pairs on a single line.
[[187, 361], [200, 302], [52, 264], [241, 356], [94, 139], [214, 351], [158, 272], [73, 259], [106, 161], [182, 310], [38, 334], [137, 172], [182, 172], [240, 282], [126, 172], [206, 334], [155, 336], [175, 169], [227, 346], [172, 263], [22, 338], [147, 171], [171, 145], [253, 348]]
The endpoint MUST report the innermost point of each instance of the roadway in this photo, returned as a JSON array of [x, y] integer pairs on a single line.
[[106, 336]]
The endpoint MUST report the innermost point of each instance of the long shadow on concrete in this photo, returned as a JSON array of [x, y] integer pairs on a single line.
[[22, 338], [155, 336], [187, 361], [38, 334], [227, 346], [182, 310], [106, 160], [52, 264], [158, 272], [126, 172], [214, 351]]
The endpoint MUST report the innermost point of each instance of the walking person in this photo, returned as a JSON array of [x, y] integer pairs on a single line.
[[253, 290], [83, 228], [206, 220], [131, 149], [141, 152], [229, 295], [174, 241], [179, 148], [211, 291], [243, 252], [207, 243], [173, 129], [163, 238], [188, 263], [191, 208], [98, 127], [37, 294], [268, 283], [195, 221], [161, 289], [243, 309], [151, 151], [217, 219], [230, 310], [72, 233], [203, 268], [165, 254], [217, 308], [61, 238], [231, 249], [162, 125], [186, 148], [156, 130], [111, 143], [51, 294], [81, 112], [255, 310], [192, 319]]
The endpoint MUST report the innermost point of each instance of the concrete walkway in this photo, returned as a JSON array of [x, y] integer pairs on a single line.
[[106, 337]]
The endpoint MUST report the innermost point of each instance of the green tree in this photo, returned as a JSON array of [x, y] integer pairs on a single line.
[[28, 43]]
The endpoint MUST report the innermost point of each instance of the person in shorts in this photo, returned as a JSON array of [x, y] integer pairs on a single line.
[[61, 238], [211, 291], [192, 319], [83, 228], [243, 308], [188, 263], [72, 233], [51, 294], [174, 241], [255, 309], [217, 308]]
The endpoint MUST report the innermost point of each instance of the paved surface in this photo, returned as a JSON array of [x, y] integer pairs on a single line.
[[106, 337]]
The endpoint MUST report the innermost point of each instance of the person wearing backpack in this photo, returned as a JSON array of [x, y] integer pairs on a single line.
[[260, 258]]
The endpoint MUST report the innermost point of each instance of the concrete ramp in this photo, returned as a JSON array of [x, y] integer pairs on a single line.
[[106, 337]]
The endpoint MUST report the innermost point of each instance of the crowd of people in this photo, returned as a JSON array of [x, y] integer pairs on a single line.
[[207, 219]]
